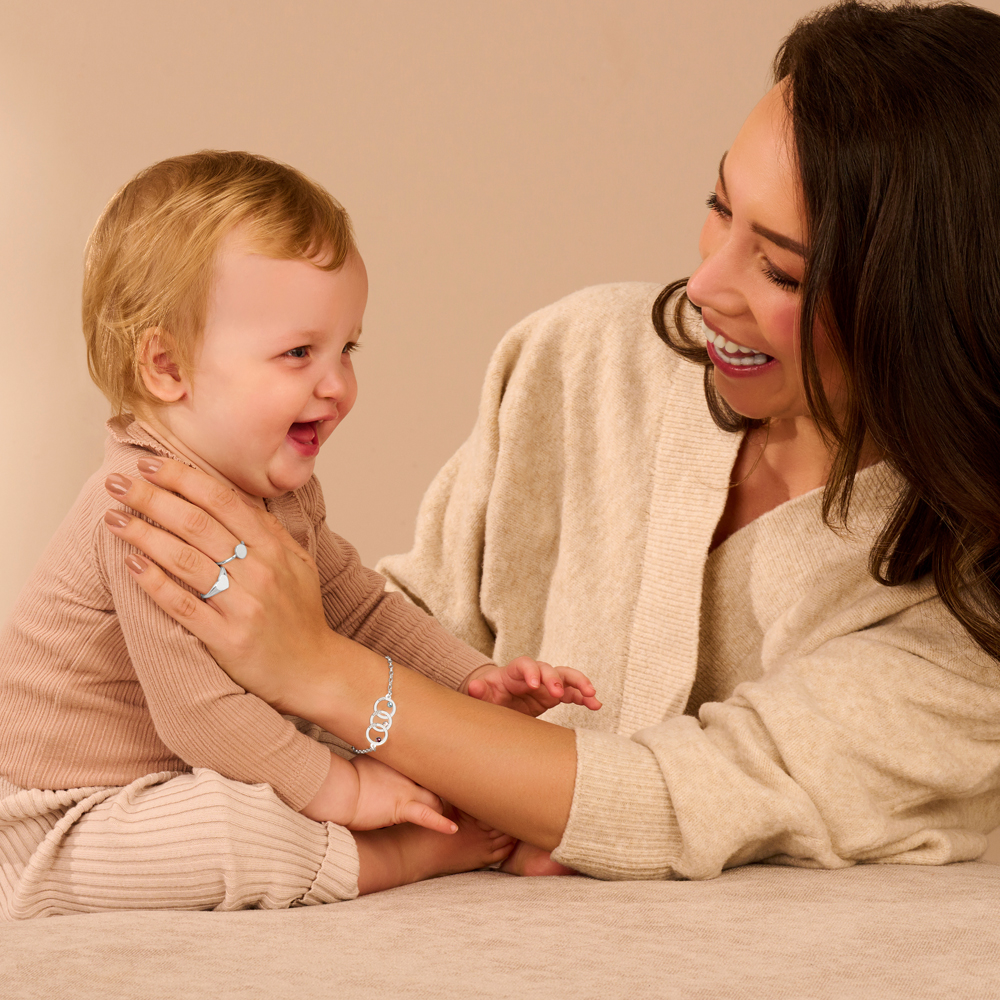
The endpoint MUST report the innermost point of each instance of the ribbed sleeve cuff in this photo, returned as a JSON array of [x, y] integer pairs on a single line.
[[621, 824], [337, 878], [304, 768], [412, 637]]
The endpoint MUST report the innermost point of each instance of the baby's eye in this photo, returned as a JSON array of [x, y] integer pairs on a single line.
[[297, 352], [350, 347]]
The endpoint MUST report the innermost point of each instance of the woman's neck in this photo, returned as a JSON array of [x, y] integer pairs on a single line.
[[795, 457], [786, 459]]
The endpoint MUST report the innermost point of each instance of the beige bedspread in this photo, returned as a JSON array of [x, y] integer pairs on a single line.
[[874, 931]]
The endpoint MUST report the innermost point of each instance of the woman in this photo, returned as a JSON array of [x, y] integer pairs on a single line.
[[790, 673]]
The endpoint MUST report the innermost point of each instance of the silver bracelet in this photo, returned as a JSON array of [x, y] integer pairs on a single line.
[[381, 719]]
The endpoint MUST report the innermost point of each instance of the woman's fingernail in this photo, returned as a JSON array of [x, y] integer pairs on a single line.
[[119, 485], [136, 564], [150, 465], [116, 519]]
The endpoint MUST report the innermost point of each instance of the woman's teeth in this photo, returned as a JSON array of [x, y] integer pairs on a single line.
[[734, 354]]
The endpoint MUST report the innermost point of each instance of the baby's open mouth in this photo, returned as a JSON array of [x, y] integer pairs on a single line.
[[304, 433], [305, 438]]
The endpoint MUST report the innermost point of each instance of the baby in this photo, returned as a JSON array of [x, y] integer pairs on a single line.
[[223, 299]]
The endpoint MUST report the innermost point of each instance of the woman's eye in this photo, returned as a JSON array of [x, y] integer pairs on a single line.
[[779, 278], [716, 206], [297, 352]]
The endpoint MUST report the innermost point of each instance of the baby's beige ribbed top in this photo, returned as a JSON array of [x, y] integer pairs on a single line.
[[98, 686]]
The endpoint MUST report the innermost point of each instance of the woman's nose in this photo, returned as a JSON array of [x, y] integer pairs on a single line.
[[714, 284]]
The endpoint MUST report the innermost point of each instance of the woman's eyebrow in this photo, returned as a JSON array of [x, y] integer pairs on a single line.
[[785, 242]]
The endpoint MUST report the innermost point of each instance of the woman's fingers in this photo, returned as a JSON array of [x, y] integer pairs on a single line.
[[194, 614], [184, 561], [190, 523], [215, 511]]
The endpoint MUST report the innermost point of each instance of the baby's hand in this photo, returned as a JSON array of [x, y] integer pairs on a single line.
[[386, 797], [530, 686]]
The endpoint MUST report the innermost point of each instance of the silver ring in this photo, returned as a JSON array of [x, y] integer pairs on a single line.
[[222, 583]]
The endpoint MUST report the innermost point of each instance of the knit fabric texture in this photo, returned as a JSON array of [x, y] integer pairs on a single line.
[[767, 700]]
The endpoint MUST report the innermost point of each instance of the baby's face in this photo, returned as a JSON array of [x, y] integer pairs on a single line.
[[273, 376]]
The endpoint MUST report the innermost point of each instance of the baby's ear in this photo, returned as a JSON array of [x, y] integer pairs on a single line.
[[161, 374]]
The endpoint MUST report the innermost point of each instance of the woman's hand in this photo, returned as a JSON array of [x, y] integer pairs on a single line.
[[269, 633], [270, 618]]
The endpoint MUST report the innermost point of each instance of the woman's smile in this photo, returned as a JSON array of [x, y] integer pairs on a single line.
[[733, 358]]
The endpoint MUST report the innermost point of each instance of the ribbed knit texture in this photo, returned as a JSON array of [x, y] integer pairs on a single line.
[[193, 841], [99, 687], [830, 720]]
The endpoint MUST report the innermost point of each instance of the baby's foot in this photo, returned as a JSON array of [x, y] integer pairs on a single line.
[[526, 859], [402, 854]]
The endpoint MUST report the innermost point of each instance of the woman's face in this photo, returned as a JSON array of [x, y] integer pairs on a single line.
[[753, 257]]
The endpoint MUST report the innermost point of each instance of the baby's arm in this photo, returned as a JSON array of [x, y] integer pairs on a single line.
[[200, 715], [357, 605], [530, 686]]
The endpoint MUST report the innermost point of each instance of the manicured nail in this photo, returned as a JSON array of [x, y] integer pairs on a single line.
[[116, 519], [136, 564], [119, 485], [150, 465]]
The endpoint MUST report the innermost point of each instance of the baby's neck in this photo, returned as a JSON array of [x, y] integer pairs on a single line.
[[170, 441]]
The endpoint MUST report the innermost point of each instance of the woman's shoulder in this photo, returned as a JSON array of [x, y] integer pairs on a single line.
[[596, 334], [603, 310]]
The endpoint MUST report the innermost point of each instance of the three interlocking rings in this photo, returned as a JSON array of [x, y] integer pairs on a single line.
[[380, 721]]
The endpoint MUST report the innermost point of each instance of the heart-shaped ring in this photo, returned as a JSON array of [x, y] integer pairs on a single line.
[[222, 583]]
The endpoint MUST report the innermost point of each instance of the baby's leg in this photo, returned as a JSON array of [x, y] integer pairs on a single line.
[[186, 842]]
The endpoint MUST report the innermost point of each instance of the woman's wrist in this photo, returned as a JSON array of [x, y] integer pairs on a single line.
[[334, 685]]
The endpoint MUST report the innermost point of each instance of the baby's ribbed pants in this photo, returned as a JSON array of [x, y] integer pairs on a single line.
[[189, 841]]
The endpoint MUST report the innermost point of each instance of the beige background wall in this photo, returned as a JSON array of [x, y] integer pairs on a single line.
[[494, 156]]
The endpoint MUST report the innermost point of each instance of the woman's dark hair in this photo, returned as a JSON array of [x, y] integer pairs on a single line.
[[896, 119]]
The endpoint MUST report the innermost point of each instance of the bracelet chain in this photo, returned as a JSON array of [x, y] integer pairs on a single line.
[[381, 719]]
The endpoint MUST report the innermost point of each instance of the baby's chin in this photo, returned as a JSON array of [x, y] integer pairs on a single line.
[[277, 484], [268, 484]]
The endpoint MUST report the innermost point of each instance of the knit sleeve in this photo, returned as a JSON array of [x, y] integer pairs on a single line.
[[357, 605], [199, 713], [881, 745]]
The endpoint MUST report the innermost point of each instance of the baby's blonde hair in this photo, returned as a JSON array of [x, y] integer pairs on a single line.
[[150, 259]]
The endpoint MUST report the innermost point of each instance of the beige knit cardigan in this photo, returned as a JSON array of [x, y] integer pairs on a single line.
[[766, 701]]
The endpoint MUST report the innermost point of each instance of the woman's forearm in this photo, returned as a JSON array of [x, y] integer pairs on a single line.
[[503, 767], [269, 633]]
